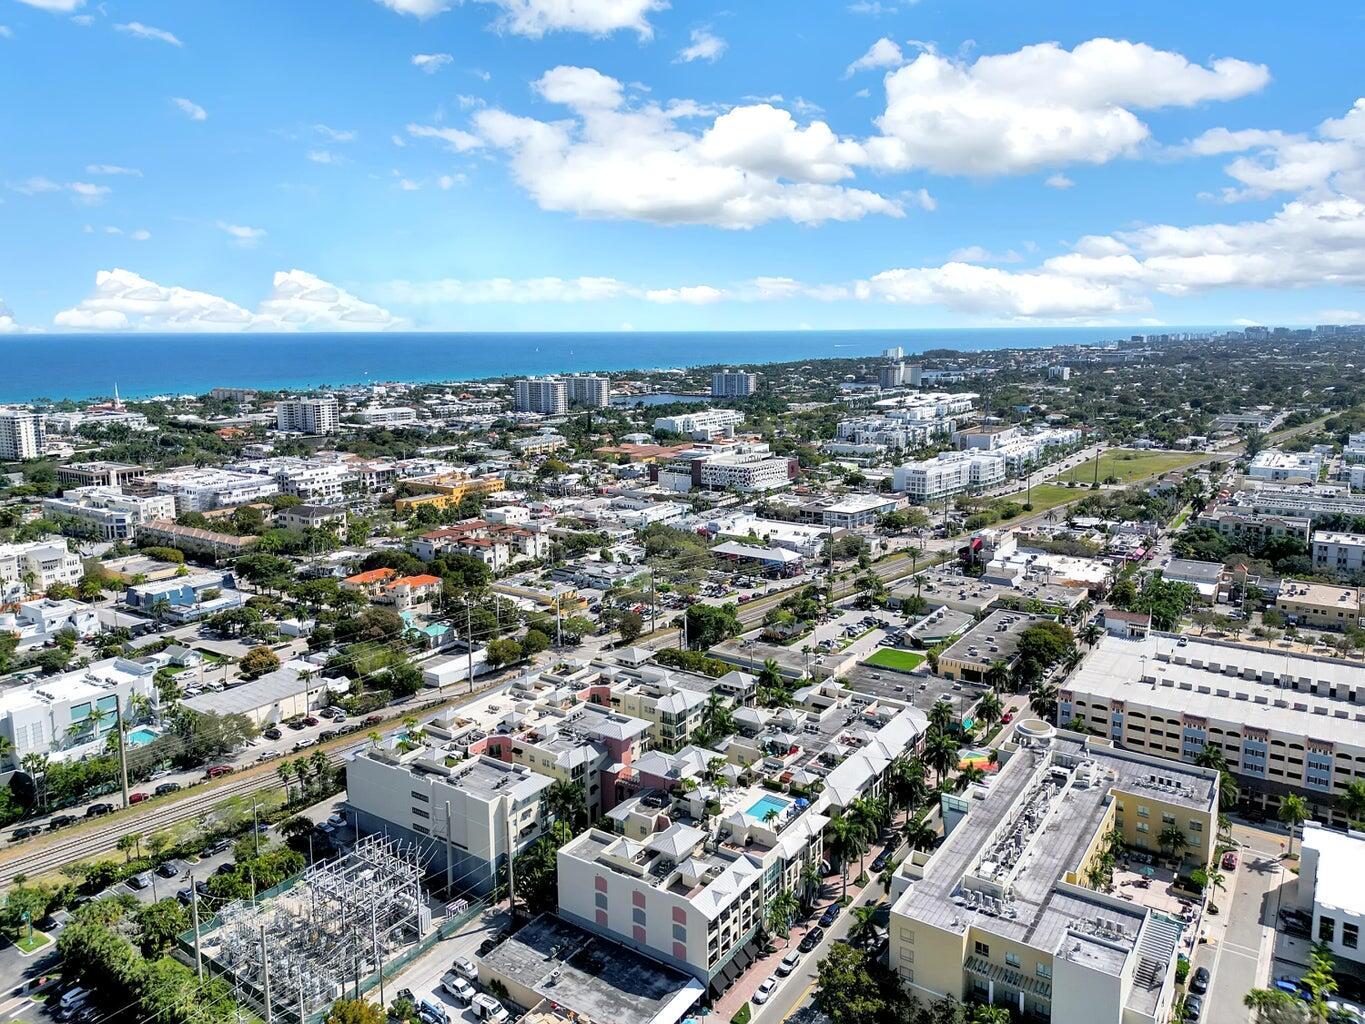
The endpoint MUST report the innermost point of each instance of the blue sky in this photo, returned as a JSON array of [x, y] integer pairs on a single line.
[[608, 164]]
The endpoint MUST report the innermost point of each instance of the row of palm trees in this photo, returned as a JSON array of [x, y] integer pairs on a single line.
[[305, 771]]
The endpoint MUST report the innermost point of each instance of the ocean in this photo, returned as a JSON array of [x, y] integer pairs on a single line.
[[79, 366]]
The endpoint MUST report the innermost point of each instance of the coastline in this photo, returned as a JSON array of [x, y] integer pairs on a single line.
[[143, 365]]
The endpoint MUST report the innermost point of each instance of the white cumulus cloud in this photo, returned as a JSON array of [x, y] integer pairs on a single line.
[[884, 53], [190, 109], [123, 300], [112, 170], [619, 160], [1041, 106], [246, 237], [431, 62], [137, 28], [692, 295], [535, 18], [518, 291], [455, 139], [705, 45], [57, 6]]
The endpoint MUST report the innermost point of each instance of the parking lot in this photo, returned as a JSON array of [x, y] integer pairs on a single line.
[[425, 976]]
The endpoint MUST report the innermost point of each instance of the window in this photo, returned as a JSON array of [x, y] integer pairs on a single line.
[[908, 936], [679, 933], [1350, 935], [418, 812], [421, 796], [637, 916], [1012, 960], [1043, 970], [982, 949], [1142, 826], [1327, 929], [601, 900], [1167, 819], [1196, 826], [1143, 812]]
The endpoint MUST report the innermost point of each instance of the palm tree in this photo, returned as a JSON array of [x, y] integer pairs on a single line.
[[1215, 879], [919, 834], [989, 709], [940, 754], [968, 776], [1293, 812], [864, 923], [845, 840], [1351, 800], [125, 845], [888, 876], [997, 675], [565, 802], [285, 771], [810, 883], [1269, 1004], [6, 749], [771, 674], [941, 716], [989, 1015], [1043, 700], [771, 815], [1091, 633], [1083, 609], [1071, 659], [1173, 841], [782, 909], [905, 781]]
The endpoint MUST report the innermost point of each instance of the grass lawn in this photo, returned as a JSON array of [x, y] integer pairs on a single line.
[[29, 944], [899, 661], [1129, 465]]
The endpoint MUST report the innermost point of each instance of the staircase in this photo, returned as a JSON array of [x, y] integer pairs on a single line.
[[1160, 938]]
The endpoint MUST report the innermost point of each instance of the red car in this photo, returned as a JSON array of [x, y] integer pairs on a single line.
[[373, 720], [137, 798], [311, 720], [1007, 718], [1229, 861], [218, 771]]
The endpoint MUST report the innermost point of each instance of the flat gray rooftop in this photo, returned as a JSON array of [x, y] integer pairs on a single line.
[[604, 981], [919, 690]]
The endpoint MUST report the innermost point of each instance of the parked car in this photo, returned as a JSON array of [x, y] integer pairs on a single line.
[[272, 733], [302, 745], [464, 967], [99, 810], [373, 720], [185, 895], [1194, 1006], [764, 991], [789, 963], [310, 720], [137, 798], [167, 787], [338, 820], [25, 832], [60, 821], [1199, 981], [217, 771], [811, 940], [140, 881], [168, 869], [1230, 861], [458, 987], [881, 860], [268, 755], [326, 735], [830, 915]]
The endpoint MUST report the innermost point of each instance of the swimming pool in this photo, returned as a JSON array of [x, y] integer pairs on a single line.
[[141, 736], [761, 807]]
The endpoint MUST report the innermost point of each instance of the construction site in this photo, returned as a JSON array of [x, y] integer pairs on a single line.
[[324, 935]]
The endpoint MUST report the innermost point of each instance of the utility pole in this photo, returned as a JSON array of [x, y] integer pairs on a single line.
[[265, 975], [122, 751], [194, 921]]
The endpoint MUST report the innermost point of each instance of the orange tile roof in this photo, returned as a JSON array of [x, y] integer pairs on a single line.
[[423, 580], [373, 576]]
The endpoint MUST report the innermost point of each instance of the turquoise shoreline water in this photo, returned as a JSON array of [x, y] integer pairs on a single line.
[[83, 366]]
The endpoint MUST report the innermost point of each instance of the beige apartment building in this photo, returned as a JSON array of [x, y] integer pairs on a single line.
[[1318, 605], [1001, 913], [1284, 722]]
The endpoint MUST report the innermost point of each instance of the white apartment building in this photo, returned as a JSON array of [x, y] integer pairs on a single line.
[[68, 716], [947, 474], [1285, 722], [202, 490], [463, 813], [39, 622], [548, 396], [70, 422], [1354, 451], [308, 415], [704, 425], [387, 416], [1329, 890], [733, 384], [23, 435], [907, 422], [1338, 552], [1274, 465], [34, 566], [98, 474], [588, 390], [116, 515], [749, 469], [312, 480]]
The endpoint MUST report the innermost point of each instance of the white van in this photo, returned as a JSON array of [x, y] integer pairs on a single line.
[[486, 1008]]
